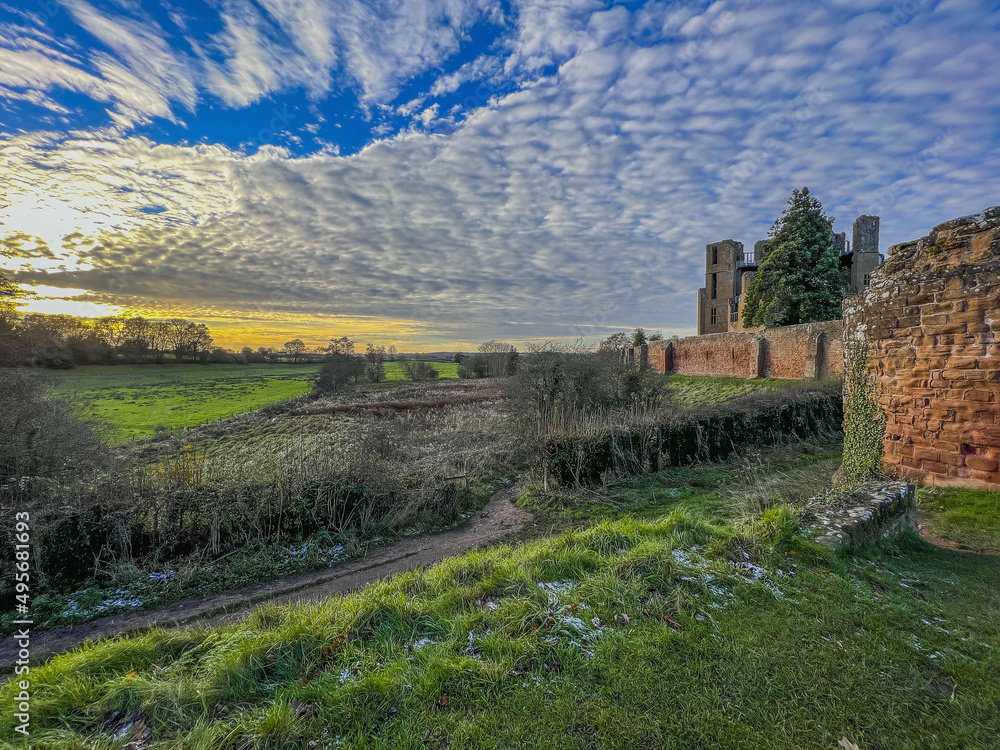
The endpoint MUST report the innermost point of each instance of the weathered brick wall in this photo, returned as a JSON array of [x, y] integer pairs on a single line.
[[794, 352], [724, 354], [661, 356], [805, 351], [926, 341]]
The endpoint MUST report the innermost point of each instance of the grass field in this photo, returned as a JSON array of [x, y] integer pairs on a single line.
[[130, 401], [394, 371], [661, 625], [699, 390]]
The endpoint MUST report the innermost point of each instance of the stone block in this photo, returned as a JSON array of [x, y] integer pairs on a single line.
[[983, 464]]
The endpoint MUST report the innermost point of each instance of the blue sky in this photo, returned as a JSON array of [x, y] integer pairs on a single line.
[[433, 173]]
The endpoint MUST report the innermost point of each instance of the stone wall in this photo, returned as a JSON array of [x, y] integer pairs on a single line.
[[865, 516], [922, 351], [726, 354], [803, 352]]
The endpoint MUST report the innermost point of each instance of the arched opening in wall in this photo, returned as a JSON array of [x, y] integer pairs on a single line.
[[822, 369]]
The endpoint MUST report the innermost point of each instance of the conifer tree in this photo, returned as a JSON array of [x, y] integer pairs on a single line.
[[798, 279]]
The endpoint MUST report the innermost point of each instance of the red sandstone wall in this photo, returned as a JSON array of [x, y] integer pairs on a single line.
[[661, 356], [794, 352], [931, 320], [788, 352], [835, 354], [725, 354]]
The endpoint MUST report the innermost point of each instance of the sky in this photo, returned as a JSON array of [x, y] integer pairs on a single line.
[[435, 173]]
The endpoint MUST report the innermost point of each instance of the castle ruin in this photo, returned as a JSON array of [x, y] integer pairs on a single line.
[[923, 359], [729, 271]]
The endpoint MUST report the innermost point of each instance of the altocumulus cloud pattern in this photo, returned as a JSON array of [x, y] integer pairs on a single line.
[[456, 170]]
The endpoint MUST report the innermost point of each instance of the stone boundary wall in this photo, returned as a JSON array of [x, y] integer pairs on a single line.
[[805, 351], [802, 352], [866, 516], [736, 355], [922, 348]]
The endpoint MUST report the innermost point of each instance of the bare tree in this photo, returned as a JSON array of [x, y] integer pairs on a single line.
[[198, 339], [418, 369], [136, 337], [375, 363], [343, 345], [295, 349], [393, 351], [111, 329], [175, 332], [159, 338], [501, 358], [614, 343]]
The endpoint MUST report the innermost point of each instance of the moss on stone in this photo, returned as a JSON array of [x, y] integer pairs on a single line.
[[864, 419]]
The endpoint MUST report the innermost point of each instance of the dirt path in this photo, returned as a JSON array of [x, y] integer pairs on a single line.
[[498, 519]]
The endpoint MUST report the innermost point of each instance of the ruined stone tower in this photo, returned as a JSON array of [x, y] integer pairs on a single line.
[[729, 271]]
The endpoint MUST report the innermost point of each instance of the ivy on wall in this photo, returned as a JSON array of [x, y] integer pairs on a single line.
[[864, 419]]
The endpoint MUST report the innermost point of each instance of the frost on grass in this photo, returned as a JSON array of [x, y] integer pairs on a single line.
[[121, 600], [717, 578], [333, 553], [557, 587]]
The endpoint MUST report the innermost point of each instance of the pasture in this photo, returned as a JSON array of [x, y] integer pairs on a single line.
[[129, 402]]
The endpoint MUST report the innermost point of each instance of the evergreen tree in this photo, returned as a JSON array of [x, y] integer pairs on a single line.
[[798, 280]]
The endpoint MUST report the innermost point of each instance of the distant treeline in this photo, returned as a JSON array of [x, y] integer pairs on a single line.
[[65, 341]]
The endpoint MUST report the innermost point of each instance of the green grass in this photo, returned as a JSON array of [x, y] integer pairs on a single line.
[[131, 401], [697, 390], [394, 370], [715, 493], [970, 518], [896, 647]]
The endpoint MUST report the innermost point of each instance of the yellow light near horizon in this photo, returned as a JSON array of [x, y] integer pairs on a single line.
[[239, 329]]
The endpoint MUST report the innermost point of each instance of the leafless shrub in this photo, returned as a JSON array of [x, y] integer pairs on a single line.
[[418, 369], [39, 437], [562, 388]]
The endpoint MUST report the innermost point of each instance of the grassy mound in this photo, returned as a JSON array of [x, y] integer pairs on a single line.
[[701, 390]]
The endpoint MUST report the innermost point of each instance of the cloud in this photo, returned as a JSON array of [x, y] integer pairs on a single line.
[[484, 67], [580, 202], [146, 71]]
